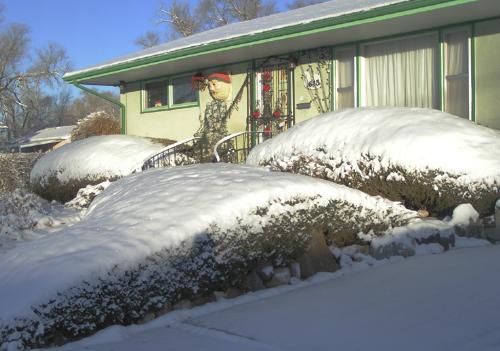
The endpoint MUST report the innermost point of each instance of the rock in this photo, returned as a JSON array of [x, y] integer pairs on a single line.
[[393, 249], [231, 293], [219, 295], [445, 241], [467, 223], [201, 300], [253, 282], [318, 257], [164, 310], [352, 250], [295, 270], [281, 276], [492, 234], [147, 318], [265, 270], [182, 305]]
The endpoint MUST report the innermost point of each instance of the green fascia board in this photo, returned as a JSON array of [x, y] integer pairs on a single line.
[[348, 20]]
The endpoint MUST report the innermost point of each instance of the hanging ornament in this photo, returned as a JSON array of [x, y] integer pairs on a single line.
[[256, 114], [198, 82]]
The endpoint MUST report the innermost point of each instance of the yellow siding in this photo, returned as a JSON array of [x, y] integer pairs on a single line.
[[181, 123]]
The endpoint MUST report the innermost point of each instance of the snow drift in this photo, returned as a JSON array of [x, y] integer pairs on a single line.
[[61, 173], [159, 236], [423, 158]]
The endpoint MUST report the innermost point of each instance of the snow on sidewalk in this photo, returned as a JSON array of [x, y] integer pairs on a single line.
[[440, 302]]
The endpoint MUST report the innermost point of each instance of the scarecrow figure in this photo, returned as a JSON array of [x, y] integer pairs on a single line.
[[214, 125]]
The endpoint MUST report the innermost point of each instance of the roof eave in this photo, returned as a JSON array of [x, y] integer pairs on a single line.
[[380, 13]]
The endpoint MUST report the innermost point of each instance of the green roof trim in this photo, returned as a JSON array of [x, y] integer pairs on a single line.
[[343, 21]]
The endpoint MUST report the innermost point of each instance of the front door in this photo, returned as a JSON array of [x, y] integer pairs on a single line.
[[272, 103]]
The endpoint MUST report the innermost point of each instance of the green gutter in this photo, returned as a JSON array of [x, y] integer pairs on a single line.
[[293, 31], [107, 98]]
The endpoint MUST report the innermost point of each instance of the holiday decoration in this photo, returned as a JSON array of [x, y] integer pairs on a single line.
[[198, 82]]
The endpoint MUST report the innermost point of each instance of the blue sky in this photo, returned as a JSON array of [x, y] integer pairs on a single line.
[[91, 31]]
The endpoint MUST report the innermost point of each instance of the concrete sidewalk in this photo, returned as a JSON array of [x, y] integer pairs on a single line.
[[449, 301]]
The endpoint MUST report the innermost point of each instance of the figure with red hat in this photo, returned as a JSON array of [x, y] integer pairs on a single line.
[[214, 125]]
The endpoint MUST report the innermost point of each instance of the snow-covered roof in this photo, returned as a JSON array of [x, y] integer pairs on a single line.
[[299, 29], [47, 136], [329, 9]]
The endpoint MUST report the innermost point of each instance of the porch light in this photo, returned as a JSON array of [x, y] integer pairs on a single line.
[[122, 86]]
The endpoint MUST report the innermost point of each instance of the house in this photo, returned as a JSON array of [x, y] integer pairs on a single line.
[[269, 73], [45, 139]]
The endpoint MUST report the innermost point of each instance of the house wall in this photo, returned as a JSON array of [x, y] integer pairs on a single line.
[[175, 124], [183, 122], [488, 73]]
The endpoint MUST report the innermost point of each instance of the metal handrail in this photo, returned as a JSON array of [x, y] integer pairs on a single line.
[[248, 143], [165, 153]]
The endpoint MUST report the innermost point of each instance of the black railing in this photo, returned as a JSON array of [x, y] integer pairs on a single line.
[[185, 152], [234, 148]]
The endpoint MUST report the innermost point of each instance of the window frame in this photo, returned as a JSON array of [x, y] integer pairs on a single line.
[[169, 91], [470, 67]]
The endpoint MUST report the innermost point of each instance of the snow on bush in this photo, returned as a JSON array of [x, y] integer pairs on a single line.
[[86, 195], [25, 216], [94, 124], [423, 158], [61, 173], [160, 236]]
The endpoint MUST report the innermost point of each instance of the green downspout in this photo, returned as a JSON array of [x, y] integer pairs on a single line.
[[107, 98]]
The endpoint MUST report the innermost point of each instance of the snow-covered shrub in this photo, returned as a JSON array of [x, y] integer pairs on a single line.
[[25, 216], [423, 158], [86, 195], [61, 173], [96, 123], [158, 237], [15, 170]]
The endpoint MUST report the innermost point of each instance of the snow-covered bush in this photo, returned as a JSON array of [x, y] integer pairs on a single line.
[[15, 170], [157, 237], [423, 158], [96, 123], [86, 195], [25, 216], [61, 173]]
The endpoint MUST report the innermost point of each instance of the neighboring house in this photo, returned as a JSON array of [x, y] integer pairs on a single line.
[[269, 73], [45, 139]]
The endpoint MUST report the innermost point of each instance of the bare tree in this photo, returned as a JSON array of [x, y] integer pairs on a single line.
[[185, 19], [86, 104], [149, 39], [23, 101]]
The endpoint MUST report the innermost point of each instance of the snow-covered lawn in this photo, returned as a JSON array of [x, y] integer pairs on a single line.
[[155, 236], [422, 157], [445, 302]]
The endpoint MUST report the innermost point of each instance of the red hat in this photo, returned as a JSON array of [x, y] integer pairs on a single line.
[[224, 76]]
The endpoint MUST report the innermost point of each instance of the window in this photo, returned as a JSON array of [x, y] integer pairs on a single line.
[[182, 91], [456, 72], [344, 81], [156, 94], [402, 72]]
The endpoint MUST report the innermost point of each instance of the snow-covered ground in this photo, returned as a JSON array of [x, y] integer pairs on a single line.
[[439, 302], [145, 213]]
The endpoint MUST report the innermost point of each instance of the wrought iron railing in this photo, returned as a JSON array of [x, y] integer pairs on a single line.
[[234, 148], [184, 152]]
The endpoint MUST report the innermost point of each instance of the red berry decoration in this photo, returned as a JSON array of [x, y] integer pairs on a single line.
[[267, 131], [277, 114], [256, 114], [266, 88], [267, 76]]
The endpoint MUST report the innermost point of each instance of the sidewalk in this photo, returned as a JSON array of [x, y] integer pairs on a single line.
[[449, 301]]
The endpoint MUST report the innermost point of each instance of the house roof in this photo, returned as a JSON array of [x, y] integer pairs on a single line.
[[47, 136], [329, 23]]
